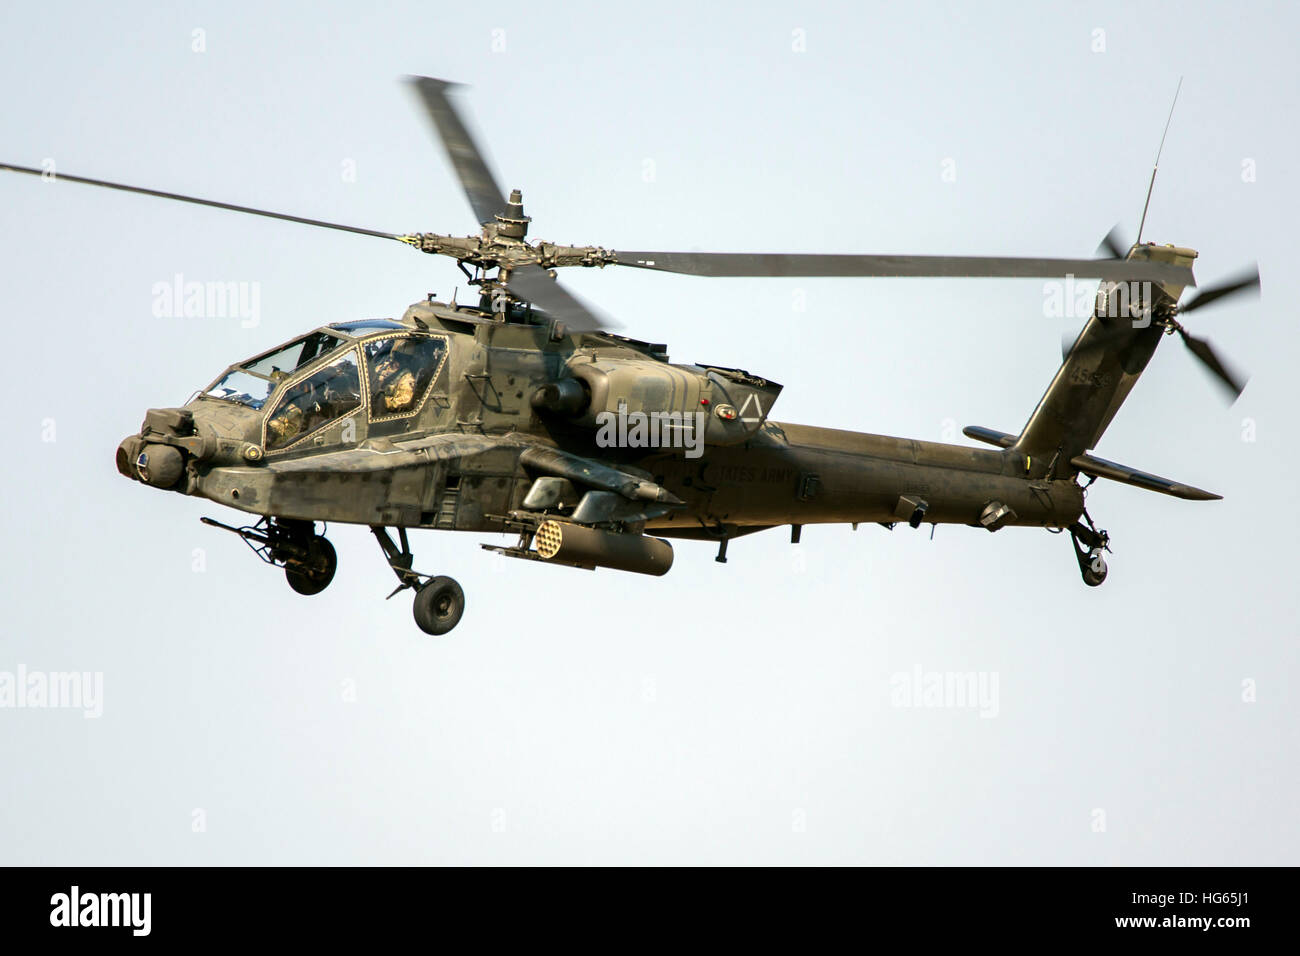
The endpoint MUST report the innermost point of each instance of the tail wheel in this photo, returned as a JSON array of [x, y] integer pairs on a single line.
[[439, 605], [313, 572], [1095, 571], [1090, 547]]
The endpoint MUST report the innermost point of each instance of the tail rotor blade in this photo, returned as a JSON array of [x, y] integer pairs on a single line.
[[1245, 282], [1070, 341], [1233, 382], [1067, 343], [1112, 246], [1100, 341]]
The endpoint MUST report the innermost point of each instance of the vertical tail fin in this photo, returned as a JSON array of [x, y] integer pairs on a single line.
[[1101, 368]]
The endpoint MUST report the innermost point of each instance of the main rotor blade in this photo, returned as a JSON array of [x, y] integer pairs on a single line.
[[1202, 350], [534, 284], [199, 202], [1246, 281], [485, 196], [812, 264]]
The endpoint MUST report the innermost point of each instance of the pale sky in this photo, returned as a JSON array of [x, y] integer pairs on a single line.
[[738, 713]]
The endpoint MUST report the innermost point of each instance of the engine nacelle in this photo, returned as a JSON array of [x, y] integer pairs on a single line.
[[729, 404]]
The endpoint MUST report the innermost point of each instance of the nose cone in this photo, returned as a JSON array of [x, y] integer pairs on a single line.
[[176, 446]]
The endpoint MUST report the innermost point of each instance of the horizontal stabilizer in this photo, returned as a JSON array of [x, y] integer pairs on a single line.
[[1101, 468], [979, 433]]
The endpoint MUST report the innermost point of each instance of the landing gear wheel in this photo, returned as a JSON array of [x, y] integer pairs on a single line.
[[1095, 572], [313, 572], [439, 605], [1090, 546]]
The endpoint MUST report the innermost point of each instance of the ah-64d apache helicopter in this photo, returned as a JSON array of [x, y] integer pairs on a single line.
[[497, 416]]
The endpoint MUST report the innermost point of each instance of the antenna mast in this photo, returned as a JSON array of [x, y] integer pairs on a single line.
[[1155, 169]]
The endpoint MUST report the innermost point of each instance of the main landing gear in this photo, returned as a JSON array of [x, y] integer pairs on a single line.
[[439, 601], [309, 563], [1089, 547], [308, 558]]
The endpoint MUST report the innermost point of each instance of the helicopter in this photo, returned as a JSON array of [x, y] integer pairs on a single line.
[[524, 413]]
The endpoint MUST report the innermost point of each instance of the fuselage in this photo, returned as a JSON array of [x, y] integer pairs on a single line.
[[334, 427]]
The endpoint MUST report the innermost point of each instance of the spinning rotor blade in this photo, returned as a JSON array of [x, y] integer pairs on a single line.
[[1202, 350], [1112, 245], [1247, 281], [485, 196], [812, 264], [534, 284], [1115, 336], [199, 202], [1067, 343]]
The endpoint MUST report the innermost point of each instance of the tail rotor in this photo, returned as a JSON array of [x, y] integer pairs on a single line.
[[1166, 314]]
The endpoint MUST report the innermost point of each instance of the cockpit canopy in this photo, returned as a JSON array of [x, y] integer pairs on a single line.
[[331, 374]]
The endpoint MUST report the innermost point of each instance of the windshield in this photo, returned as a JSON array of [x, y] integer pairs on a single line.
[[252, 382], [294, 355], [239, 386]]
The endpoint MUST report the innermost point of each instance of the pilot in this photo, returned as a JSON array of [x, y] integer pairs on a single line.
[[285, 423], [396, 380]]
